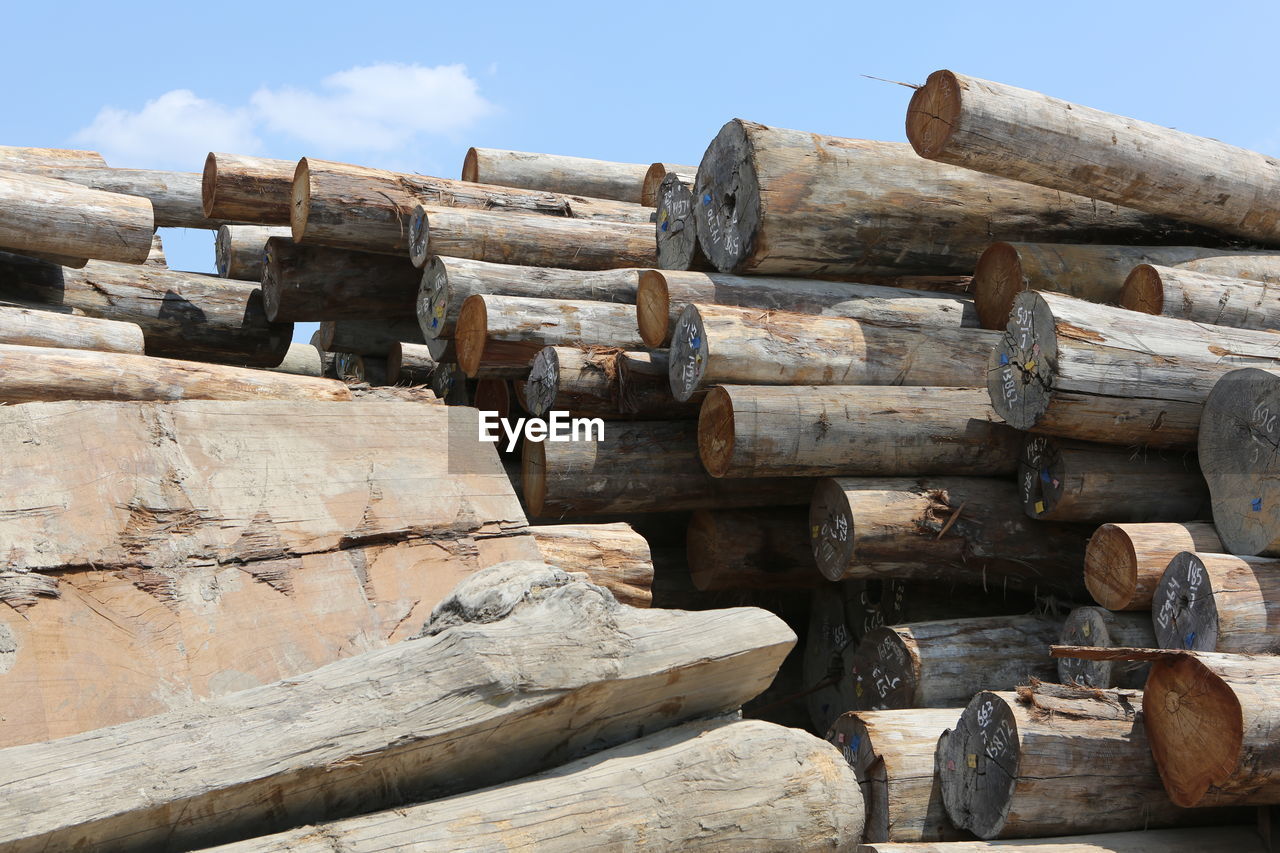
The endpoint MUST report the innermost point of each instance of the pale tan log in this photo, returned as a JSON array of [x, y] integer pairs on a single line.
[[240, 188], [508, 331], [1218, 603], [514, 654], [751, 549], [1075, 369], [524, 240], [302, 360], [174, 196], [555, 173], [448, 282], [641, 466], [1239, 839], [582, 381], [46, 215], [1202, 297], [675, 226], [305, 283], [789, 202], [156, 256], [1124, 562], [1097, 626], [891, 753], [18, 159], [1028, 136], [1064, 480], [410, 363], [663, 294], [938, 664], [826, 431], [240, 250], [654, 175], [369, 337], [33, 328], [182, 314], [960, 529], [611, 555], [718, 344], [644, 390], [1016, 765]]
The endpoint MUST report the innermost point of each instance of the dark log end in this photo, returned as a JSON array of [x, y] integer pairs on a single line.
[[493, 395], [300, 200], [687, 359], [470, 166], [209, 185], [419, 236], [1040, 476], [471, 334], [997, 280], [1143, 290], [827, 642], [543, 385], [883, 672], [1021, 370], [395, 361], [1194, 724], [675, 228], [533, 476], [222, 250], [933, 114], [433, 299], [1086, 626], [653, 307], [271, 290], [1111, 568], [727, 200], [1182, 607], [716, 432], [831, 529], [977, 763]]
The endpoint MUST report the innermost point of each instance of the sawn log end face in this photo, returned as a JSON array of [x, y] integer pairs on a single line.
[[727, 198], [933, 114], [543, 385], [716, 432], [1111, 568], [831, 529], [675, 228], [997, 280], [433, 300], [1021, 371], [653, 308], [883, 672], [419, 236], [977, 763], [687, 363], [1183, 607], [1085, 626], [300, 200]]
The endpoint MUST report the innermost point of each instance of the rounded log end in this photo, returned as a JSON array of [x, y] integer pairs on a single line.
[[323, 336], [883, 670], [470, 166], [1040, 476], [716, 432], [1195, 727], [1086, 626], [1183, 607], [687, 357], [543, 384], [209, 185], [419, 236], [300, 200], [726, 200], [471, 334], [1111, 568], [1020, 372], [395, 361], [933, 114], [674, 227], [1143, 290], [653, 306], [533, 476], [997, 280], [222, 250], [433, 299], [493, 395], [271, 291], [977, 765], [649, 186], [831, 529]]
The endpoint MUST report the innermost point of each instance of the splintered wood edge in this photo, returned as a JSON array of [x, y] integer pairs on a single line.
[[1117, 653], [653, 308], [543, 384], [997, 280], [933, 114], [300, 198], [716, 431]]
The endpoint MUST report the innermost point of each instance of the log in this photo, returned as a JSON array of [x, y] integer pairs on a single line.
[[613, 556], [676, 226], [1074, 369], [155, 257], [535, 241], [1027, 136], [891, 752], [361, 369], [484, 716], [742, 785], [751, 549], [305, 283], [834, 628], [1242, 839], [449, 282], [370, 337], [663, 294], [506, 332], [493, 395], [183, 315], [1014, 765], [240, 250], [870, 431], [641, 466], [936, 664], [654, 175], [1202, 297], [411, 363], [1124, 562], [174, 196], [788, 202], [247, 189], [960, 529], [555, 173], [302, 360], [644, 391], [1063, 480], [581, 381], [15, 158], [451, 385], [46, 215], [1097, 626], [35, 328], [1218, 603], [717, 345]]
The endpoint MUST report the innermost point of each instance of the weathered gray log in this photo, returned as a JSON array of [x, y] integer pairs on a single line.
[[827, 431], [1097, 626], [240, 250], [1241, 839], [1124, 562], [553, 648], [1217, 603], [174, 196], [555, 173], [1202, 297], [676, 226], [49, 216], [613, 556], [370, 337], [35, 328], [751, 549], [582, 381], [654, 175], [307, 283], [247, 189], [1028, 136], [156, 256], [16, 158], [410, 363], [302, 360]]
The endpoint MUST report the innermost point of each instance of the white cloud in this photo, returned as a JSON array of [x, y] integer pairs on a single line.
[[176, 130]]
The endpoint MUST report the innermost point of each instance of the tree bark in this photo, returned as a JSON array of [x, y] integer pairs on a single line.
[[555, 173], [1202, 297], [1027, 136], [717, 345], [410, 363], [676, 226], [515, 654], [642, 466], [523, 240], [891, 753], [1124, 562], [46, 215], [1064, 480], [240, 250], [960, 529], [644, 391], [869, 431], [751, 549], [663, 294], [15, 158], [583, 382], [35, 328], [370, 337], [775, 201], [174, 196], [1218, 603], [448, 282], [508, 331], [613, 556], [936, 664], [247, 189], [1096, 273], [306, 283], [1242, 839], [182, 315], [656, 173], [1097, 626]]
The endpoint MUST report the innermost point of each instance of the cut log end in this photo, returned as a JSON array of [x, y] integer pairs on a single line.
[[1111, 568], [653, 304], [1040, 476], [716, 432], [300, 199], [831, 529], [471, 334], [883, 671], [1087, 626], [687, 362], [419, 236], [222, 252], [493, 395], [675, 229], [933, 114], [997, 280], [977, 763], [1195, 726], [533, 476], [209, 185], [1143, 290], [727, 200], [543, 384], [1183, 608], [433, 299], [470, 166], [1021, 370], [650, 187]]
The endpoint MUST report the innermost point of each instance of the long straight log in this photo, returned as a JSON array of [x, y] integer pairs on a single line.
[[15, 158], [183, 315], [676, 227], [247, 189], [1096, 273], [1097, 626], [611, 670], [1123, 563], [370, 337], [1241, 839], [174, 196], [1028, 136], [555, 173], [787, 202], [411, 363], [650, 189], [642, 466], [306, 283], [644, 391], [870, 431], [663, 294], [34, 328], [46, 215], [1077, 481], [1218, 603], [1202, 297], [961, 529], [612, 555], [448, 282], [751, 549], [1074, 369], [718, 344], [240, 250]]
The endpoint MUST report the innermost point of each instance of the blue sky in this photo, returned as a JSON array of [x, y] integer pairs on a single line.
[[411, 86]]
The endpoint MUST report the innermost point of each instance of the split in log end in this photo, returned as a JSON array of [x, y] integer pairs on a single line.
[[1195, 726], [831, 529], [300, 198], [716, 432], [470, 166], [653, 306], [1143, 290], [727, 200], [933, 114], [977, 763], [1021, 370], [687, 362], [471, 334], [1111, 567], [1184, 606], [997, 280], [533, 476]]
